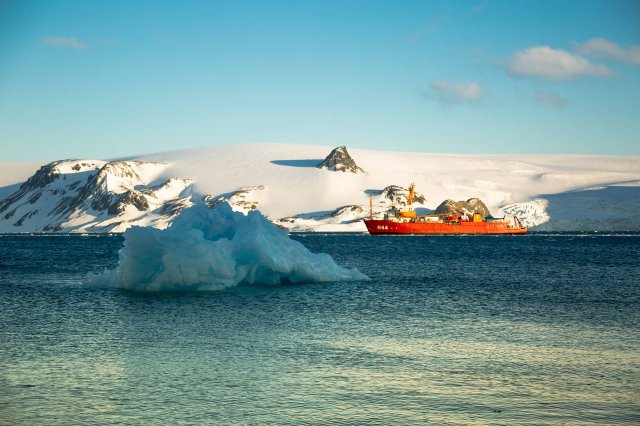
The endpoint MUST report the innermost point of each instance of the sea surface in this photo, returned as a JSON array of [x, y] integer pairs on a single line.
[[536, 329]]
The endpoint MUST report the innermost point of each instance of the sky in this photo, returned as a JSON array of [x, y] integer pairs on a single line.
[[108, 79]]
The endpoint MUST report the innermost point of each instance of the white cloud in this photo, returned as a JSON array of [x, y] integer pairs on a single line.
[[601, 47], [550, 98], [555, 64], [64, 43], [448, 93]]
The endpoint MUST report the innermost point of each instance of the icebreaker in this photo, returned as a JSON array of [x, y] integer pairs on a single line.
[[212, 249]]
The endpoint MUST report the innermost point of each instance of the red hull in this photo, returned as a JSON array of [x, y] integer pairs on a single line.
[[381, 227]]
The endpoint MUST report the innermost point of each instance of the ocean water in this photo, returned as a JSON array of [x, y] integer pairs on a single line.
[[537, 329]]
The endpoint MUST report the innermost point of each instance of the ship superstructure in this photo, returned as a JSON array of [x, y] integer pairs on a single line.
[[402, 219]]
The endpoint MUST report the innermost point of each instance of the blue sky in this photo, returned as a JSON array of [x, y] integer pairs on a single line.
[[88, 79]]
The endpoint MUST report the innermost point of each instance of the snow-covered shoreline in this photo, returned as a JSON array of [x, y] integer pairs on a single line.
[[567, 192]]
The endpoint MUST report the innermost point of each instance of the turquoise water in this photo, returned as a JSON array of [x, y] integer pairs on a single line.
[[540, 329]]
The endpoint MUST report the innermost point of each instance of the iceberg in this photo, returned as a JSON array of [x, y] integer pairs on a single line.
[[207, 249]]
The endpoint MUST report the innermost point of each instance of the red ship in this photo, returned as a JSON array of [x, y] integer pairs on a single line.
[[406, 221]]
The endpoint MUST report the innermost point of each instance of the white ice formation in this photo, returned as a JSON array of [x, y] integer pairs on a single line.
[[531, 214], [207, 249], [546, 192]]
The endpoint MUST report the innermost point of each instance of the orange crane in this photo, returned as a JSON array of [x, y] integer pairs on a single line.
[[411, 194]]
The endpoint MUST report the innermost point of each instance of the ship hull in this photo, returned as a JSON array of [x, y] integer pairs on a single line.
[[387, 227]]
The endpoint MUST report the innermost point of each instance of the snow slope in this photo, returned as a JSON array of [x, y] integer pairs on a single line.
[[282, 181], [94, 196], [13, 174]]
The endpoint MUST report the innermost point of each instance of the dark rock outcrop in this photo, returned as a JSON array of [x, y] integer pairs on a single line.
[[240, 198], [472, 205], [173, 207], [398, 194], [43, 177], [70, 194], [354, 210], [131, 197], [339, 160]]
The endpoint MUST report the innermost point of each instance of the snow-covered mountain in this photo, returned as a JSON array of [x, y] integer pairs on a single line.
[[339, 160], [285, 183], [94, 196]]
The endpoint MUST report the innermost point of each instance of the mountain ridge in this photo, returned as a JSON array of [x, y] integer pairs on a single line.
[[281, 182]]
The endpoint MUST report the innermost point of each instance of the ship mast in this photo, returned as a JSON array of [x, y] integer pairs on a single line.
[[411, 194]]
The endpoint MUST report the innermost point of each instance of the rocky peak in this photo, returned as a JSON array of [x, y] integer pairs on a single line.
[[117, 173], [44, 176], [339, 160], [94, 196], [114, 187], [398, 194], [472, 205], [347, 210], [122, 168], [241, 200]]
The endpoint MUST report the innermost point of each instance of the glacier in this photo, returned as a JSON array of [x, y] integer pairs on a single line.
[[283, 183], [208, 249]]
